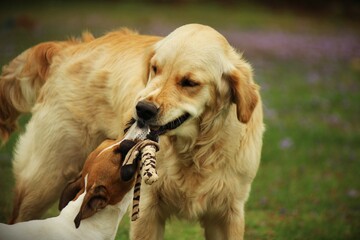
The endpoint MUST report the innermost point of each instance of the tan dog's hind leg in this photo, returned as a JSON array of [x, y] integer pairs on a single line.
[[50, 153], [32, 200]]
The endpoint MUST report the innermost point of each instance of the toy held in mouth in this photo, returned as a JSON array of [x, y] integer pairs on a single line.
[[140, 160]]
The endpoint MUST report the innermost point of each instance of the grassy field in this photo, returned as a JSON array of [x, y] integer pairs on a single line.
[[308, 185]]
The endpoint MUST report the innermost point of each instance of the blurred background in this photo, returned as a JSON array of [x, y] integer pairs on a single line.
[[306, 58]]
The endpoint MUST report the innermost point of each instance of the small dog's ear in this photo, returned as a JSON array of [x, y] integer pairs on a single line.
[[127, 171], [125, 147], [70, 191], [96, 199]]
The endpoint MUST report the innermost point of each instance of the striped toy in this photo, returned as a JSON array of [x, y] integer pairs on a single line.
[[143, 153]]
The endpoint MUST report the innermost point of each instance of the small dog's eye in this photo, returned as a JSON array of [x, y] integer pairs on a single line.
[[185, 82], [154, 68]]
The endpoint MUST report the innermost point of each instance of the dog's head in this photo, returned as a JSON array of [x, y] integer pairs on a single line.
[[194, 72], [100, 180]]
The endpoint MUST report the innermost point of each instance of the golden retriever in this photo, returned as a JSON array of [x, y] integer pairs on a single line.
[[190, 86]]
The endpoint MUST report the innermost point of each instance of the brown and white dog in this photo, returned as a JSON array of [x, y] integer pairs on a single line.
[[91, 206], [191, 86]]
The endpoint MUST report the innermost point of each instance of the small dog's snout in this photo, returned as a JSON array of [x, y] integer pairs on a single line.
[[146, 110]]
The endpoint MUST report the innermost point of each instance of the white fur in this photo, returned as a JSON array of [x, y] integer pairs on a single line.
[[102, 225]]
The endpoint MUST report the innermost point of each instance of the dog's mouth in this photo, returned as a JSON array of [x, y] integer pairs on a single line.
[[159, 130]]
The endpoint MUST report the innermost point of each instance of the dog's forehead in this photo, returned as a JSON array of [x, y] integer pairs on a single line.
[[109, 149], [107, 175], [195, 31], [191, 38], [103, 165], [200, 51]]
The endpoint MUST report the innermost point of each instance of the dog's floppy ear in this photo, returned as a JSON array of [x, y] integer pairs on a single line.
[[70, 191], [96, 199], [244, 92]]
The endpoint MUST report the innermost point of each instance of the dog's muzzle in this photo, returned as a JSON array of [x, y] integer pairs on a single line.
[[147, 112]]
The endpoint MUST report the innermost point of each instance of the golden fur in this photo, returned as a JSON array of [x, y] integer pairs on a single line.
[[206, 166]]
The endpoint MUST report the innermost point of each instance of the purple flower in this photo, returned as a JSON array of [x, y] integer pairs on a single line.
[[286, 143], [353, 193]]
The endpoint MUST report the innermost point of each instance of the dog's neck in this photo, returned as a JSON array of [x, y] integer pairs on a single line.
[[102, 225]]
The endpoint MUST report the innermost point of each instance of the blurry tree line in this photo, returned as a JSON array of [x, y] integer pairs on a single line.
[[344, 8]]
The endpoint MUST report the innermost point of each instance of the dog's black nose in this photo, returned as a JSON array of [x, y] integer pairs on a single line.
[[146, 110]]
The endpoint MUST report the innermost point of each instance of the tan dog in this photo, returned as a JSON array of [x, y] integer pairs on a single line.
[[191, 86], [91, 206]]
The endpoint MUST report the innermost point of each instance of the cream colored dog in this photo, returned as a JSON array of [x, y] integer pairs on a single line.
[[190, 86]]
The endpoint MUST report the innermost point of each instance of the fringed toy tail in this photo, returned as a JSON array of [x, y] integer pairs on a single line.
[[147, 169]]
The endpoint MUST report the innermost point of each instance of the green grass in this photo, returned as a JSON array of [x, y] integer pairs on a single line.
[[304, 189], [308, 184]]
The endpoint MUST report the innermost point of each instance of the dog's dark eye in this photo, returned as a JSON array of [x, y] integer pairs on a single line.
[[154, 68], [186, 82]]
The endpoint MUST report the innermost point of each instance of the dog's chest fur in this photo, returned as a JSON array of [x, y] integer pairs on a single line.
[[195, 190]]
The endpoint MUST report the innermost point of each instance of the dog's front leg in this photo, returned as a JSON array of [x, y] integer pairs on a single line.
[[151, 223], [225, 227]]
